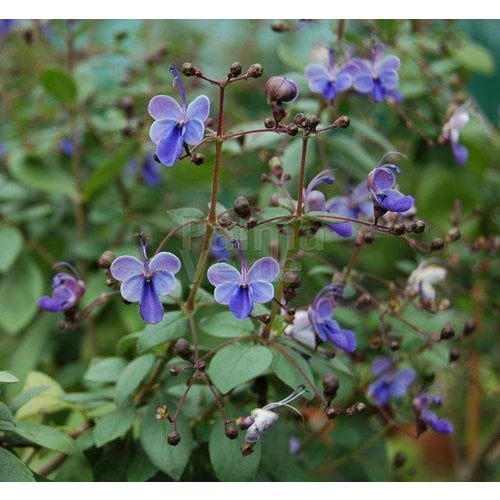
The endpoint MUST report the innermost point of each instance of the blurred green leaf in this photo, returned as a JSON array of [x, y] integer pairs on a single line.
[[8, 378], [140, 468], [11, 243], [113, 425], [105, 370], [48, 437], [20, 289], [173, 326], [475, 57], [184, 215], [224, 324], [170, 459], [226, 457], [59, 85], [132, 376], [5, 414], [75, 469], [104, 173], [238, 363], [12, 469]]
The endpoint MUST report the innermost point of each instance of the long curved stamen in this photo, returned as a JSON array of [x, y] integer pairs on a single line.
[[69, 266], [178, 83], [244, 266], [143, 249], [284, 402], [331, 59]]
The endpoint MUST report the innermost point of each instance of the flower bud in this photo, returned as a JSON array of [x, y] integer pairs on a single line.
[[437, 244], [311, 122], [244, 422], [299, 119], [342, 122], [264, 318], [331, 385], [270, 122], [363, 300], [292, 129], [369, 237], [106, 259], [252, 222], [189, 69], [255, 71], [398, 228], [174, 438], [292, 279], [183, 349], [235, 69], [242, 207], [291, 311], [394, 345], [447, 333], [331, 413], [280, 27], [454, 355], [453, 234], [287, 177], [469, 327], [418, 226], [281, 90], [231, 432], [197, 158]]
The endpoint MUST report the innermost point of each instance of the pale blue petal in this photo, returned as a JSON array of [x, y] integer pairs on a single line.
[[125, 267], [165, 261], [224, 292], [363, 84], [223, 273], [261, 291], [193, 132], [164, 106], [170, 147], [164, 282], [131, 289], [389, 79], [387, 63], [264, 269], [199, 108], [161, 129]]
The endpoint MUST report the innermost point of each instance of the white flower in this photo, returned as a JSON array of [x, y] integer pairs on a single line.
[[450, 133], [421, 280], [302, 330]]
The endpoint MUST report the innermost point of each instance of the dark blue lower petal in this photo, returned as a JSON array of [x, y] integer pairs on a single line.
[[442, 426], [241, 304], [170, 147], [379, 392], [345, 339], [150, 305], [343, 229]]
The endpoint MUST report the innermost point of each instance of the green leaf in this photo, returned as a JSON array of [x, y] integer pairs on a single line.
[[75, 469], [47, 401], [288, 372], [272, 212], [140, 468], [226, 457], [19, 293], [36, 174], [238, 363], [48, 437], [12, 469], [187, 214], [173, 326], [5, 414], [130, 379], [59, 85], [170, 459], [26, 396], [103, 174], [224, 324], [11, 243], [367, 132], [8, 378], [105, 370], [113, 425], [475, 57]]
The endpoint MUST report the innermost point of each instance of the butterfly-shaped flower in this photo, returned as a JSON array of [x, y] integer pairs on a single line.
[[390, 383], [145, 280], [176, 124], [240, 290], [451, 131], [428, 418], [66, 292]]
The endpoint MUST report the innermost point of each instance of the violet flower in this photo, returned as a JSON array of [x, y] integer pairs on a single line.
[[175, 125], [428, 418], [66, 293], [379, 76], [315, 200], [319, 321], [219, 248], [150, 170], [450, 133], [380, 183], [241, 290], [331, 80], [67, 147], [144, 280], [390, 383], [356, 204]]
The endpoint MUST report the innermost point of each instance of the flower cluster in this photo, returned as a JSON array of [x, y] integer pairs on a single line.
[[175, 125], [240, 290], [66, 293], [318, 321]]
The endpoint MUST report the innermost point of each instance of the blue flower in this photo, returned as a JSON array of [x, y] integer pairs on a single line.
[[315, 200], [426, 417], [219, 248], [450, 133], [175, 125], [241, 290], [331, 80], [144, 280], [320, 317], [380, 183], [379, 76], [390, 383], [149, 169], [66, 293], [357, 203]]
